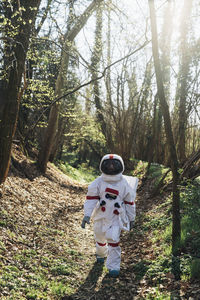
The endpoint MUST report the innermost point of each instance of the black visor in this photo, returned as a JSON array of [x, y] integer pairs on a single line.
[[111, 166]]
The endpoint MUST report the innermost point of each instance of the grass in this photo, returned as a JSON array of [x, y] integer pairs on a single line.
[[156, 171], [82, 174], [190, 203], [155, 293], [38, 273], [140, 169], [159, 223]]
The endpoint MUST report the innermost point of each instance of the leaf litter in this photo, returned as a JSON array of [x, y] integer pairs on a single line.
[[45, 254]]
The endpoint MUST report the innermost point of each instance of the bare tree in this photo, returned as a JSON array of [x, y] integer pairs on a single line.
[[69, 37], [176, 226]]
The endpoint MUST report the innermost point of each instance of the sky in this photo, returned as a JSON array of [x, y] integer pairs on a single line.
[[130, 24]]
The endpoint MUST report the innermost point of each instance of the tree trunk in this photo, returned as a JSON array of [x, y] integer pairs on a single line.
[[165, 46], [58, 142], [138, 111], [109, 104], [183, 81], [176, 226], [95, 60], [14, 61]]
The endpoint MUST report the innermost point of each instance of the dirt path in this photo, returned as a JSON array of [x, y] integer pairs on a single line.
[[97, 285]]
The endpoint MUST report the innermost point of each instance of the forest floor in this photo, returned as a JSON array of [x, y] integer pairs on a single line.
[[45, 254]]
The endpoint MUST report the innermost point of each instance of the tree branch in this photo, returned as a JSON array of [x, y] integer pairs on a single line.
[[85, 84]]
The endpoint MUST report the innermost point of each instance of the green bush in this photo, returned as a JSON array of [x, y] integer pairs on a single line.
[[190, 223]]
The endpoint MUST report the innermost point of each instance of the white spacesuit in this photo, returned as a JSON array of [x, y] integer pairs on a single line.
[[110, 202]]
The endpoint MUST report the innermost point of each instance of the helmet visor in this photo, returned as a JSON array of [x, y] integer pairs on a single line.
[[111, 167]]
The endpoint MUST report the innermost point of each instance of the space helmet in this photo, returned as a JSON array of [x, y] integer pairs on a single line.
[[111, 164]]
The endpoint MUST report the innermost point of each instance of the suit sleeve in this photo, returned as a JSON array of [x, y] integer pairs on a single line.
[[129, 202], [92, 198]]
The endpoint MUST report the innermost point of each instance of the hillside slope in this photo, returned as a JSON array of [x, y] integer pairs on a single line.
[[45, 254]]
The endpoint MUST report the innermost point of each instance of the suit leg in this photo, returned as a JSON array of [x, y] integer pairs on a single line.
[[101, 243], [114, 256]]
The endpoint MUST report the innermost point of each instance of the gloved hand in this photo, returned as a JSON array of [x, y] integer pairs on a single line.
[[86, 219], [132, 224]]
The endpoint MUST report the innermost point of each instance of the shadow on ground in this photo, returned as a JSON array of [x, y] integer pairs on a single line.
[[102, 287], [87, 289]]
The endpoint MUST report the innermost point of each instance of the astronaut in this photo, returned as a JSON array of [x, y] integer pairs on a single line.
[[110, 203]]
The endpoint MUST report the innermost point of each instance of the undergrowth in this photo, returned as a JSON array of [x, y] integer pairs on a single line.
[[41, 270], [37, 272], [82, 174], [158, 224]]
